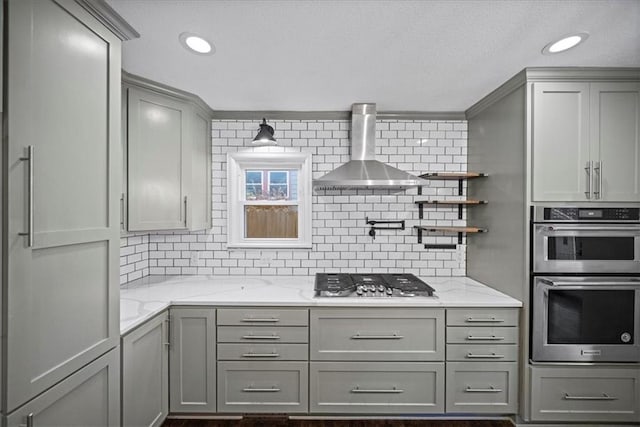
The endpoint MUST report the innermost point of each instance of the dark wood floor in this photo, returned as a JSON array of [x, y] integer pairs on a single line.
[[282, 422]]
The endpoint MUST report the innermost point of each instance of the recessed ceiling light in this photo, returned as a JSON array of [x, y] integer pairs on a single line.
[[565, 43], [196, 44]]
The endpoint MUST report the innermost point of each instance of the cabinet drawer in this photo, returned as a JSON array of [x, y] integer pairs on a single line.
[[482, 352], [482, 317], [482, 335], [377, 334], [253, 316], [376, 387], [585, 394], [482, 387], [286, 334], [263, 386], [263, 352]]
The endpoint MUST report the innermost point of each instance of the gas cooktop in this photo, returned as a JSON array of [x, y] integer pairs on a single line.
[[370, 285]]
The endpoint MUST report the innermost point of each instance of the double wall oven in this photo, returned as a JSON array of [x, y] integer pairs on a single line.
[[585, 284]]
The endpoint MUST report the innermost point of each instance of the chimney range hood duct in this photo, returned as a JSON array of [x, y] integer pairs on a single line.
[[363, 171]]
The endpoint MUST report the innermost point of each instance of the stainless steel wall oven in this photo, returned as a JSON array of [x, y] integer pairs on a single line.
[[585, 284]]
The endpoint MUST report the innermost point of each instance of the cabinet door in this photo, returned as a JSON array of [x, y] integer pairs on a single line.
[[158, 168], [199, 202], [192, 360], [145, 374], [615, 140], [62, 286], [560, 126], [89, 397]]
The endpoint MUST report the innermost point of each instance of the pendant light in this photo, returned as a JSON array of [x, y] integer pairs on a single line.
[[265, 135]]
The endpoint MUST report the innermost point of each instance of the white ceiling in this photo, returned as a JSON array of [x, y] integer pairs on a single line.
[[324, 55]]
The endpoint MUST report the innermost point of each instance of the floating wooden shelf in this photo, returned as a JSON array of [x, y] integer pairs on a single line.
[[459, 203], [451, 176], [447, 229], [451, 202]]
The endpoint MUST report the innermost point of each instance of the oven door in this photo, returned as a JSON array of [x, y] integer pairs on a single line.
[[578, 319], [586, 248]]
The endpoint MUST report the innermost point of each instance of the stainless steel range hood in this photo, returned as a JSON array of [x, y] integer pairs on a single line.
[[363, 171]]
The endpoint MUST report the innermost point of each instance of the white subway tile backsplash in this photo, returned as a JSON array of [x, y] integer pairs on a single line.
[[340, 233]]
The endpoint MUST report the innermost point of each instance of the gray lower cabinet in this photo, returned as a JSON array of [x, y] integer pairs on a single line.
[[192, 360], [263, 358], [263, 387], [377, 387], [89, 397], [145, 374], [482, 360], [589, 394], [377, 334]]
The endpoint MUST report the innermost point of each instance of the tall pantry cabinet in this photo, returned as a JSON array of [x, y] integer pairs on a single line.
[[60, 242]]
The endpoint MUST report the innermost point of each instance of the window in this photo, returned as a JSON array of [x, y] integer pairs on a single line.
[[269, 200]]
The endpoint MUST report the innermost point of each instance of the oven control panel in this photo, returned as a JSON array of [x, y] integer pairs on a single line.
[[591, 214]]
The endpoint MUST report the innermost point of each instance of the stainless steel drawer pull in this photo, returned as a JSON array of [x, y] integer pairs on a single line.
[[490, 338], [264, 320], [261, 355], [484, 320], [357, 389], [491, 389], [485, 356], [604, 396], [29, 232], [261, 337], [261, 390], [376, 337]]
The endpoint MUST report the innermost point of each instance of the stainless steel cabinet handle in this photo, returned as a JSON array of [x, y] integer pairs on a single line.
[[485, 320], [587, 169], [376, 390], [261, 337], [376, 337], [261, 390], [29, 232], [264, 320], [491, 389], [185, 211], [490, 338], [168, 323], [261, 355], [485, 356], [30, 420], [122, 211], [597, 180], [604, 396]]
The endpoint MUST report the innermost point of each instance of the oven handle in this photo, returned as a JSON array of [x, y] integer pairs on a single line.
[[575, 285], [635, 228]]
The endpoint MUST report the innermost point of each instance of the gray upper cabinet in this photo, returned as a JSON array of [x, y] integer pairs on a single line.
[[615, 140], [585, 141], [62, 175], [158, 167], [167, 147]]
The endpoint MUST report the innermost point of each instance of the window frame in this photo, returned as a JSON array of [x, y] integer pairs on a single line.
[[237, 165]]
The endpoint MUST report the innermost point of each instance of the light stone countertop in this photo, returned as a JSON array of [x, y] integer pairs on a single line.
[[142, 299]]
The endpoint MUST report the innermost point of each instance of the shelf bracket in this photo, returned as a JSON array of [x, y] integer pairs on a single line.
[[419, 235]]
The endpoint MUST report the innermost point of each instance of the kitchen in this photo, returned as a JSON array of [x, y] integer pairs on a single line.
[[339, 240]]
